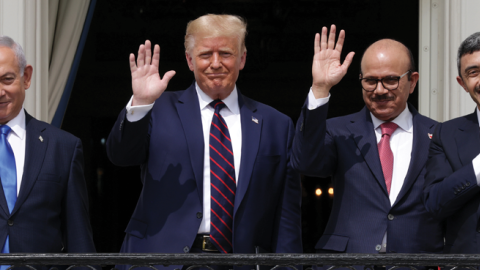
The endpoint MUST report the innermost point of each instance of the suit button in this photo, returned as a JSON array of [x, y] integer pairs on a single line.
[[378, 247], [186, 249], [199, 215], [462, 188], [10, 222], [391, 217], [467, 184], [455, 192]]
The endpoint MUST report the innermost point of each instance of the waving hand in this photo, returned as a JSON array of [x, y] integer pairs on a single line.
[[327, 70], [146, 82]]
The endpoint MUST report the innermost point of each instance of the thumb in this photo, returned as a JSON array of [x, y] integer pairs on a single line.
[[168, 76], [348, 60]]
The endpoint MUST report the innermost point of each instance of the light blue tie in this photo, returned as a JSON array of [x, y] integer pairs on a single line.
[[8, 175]]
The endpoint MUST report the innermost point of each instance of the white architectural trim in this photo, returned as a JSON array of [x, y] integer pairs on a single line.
[[444, 24]]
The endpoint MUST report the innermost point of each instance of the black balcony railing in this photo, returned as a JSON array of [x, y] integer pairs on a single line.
[[335, 260]]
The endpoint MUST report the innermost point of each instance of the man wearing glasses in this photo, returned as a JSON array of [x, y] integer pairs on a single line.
[[376, 157]]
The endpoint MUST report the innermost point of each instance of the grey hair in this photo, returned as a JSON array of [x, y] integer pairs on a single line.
[[6, 41], [469, 45]]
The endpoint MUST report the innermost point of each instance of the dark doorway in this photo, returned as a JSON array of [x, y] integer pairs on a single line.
[[278, 73]]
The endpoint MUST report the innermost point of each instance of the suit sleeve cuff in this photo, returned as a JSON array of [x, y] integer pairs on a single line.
[[136, 113], [314, 103], [476, 168]]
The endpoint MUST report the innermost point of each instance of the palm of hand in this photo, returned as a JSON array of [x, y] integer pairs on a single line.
[[146, 82], [327, 68]]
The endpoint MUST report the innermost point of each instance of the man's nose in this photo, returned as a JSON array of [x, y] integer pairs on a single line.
[[216, 61], [380, 90]]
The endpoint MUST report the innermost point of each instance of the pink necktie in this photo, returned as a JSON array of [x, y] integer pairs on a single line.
[[385, 152]]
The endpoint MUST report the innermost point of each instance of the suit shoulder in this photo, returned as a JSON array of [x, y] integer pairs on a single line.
[[169, 96], [51, 131], [266, 110], [450, 126], [459, 121], [427, 121], [342, 120]]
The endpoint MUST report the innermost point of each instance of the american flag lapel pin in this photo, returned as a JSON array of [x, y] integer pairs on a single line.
[[430, 135], [255, 120], [40, 138]]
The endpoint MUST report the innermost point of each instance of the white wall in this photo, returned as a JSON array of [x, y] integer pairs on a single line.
[[444, 24]]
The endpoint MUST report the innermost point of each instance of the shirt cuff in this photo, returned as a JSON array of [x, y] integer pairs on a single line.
[[314, 103], [476, 168], [135, 113]]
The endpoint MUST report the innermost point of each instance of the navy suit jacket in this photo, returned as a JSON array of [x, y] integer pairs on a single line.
[[51, 211], [451, 190], [168, 144], [345, 148]]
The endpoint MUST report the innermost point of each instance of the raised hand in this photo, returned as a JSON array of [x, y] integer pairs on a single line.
[[327, 70], [146, 82]]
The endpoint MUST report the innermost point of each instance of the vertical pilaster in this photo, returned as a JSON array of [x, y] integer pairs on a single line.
[[444, 24]]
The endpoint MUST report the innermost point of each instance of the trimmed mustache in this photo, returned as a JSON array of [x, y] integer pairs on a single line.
[[385, 97]]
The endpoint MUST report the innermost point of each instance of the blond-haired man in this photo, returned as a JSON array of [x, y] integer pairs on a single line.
[[215, 164]]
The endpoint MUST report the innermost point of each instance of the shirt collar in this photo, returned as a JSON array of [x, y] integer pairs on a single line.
[[17, 124], [231, 102], [403, 120]]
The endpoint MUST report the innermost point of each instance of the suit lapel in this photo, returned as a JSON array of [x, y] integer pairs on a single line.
[[420, 146], [362, 131], [188, 110], [251, 131], [467, 138], [35, 149]]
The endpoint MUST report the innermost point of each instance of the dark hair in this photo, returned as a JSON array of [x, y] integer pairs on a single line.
[[469, 45], [411, 66]]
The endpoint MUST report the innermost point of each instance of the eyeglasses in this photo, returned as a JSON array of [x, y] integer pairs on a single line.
[[389, 82]]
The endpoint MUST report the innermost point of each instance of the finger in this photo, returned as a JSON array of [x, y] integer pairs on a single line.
[[148, 52], [331, 37], [316, 46], [141, 56], [133, 67], [323, 42], [156, 56], [168, 76], [341, 39], [348, 61]]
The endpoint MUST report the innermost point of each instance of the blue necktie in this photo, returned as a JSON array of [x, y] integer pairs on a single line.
[[8, 175], [222, 181]]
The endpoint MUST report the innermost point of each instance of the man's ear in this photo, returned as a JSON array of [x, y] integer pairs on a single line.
[[413, 81], [27, 76], [460, 81], [189, 61], [243, 60]]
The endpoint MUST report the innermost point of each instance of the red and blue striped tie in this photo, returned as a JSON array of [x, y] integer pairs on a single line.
[[222, 181]]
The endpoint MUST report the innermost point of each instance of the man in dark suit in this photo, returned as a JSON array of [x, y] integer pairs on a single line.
[[377, 206], [453, 168], [43, 201], [245, 200]]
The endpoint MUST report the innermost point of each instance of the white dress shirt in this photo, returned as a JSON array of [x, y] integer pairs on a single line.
[[401, 143], [17, 139], [231, 114], [476, 160]]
